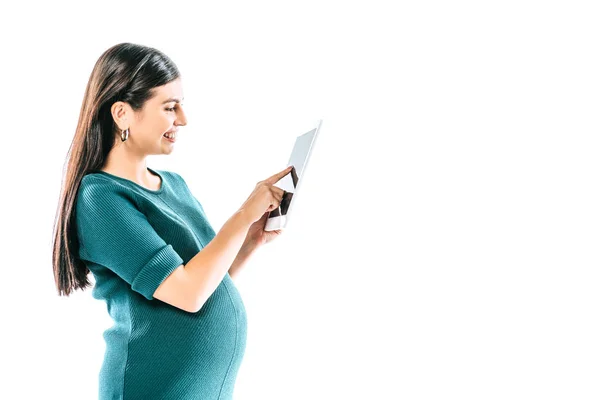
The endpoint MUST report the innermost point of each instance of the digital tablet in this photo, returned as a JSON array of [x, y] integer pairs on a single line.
[[279, 218]]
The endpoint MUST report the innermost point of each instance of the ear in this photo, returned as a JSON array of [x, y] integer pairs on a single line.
[[119, 111]]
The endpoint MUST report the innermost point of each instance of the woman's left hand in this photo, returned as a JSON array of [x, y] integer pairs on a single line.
[[257, 236]]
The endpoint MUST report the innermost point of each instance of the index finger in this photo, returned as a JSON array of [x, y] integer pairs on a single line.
[[273, 179]]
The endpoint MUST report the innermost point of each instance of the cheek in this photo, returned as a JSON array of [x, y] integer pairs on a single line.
[[162, 123]]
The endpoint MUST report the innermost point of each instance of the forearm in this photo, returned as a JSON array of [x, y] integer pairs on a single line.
[[207, 268], [241, 259]]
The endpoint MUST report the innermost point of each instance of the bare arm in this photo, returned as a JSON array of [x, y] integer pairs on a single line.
[[241, 259], [190, 285]]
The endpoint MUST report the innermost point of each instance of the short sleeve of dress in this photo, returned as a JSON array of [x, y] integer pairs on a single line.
[[114, 233]]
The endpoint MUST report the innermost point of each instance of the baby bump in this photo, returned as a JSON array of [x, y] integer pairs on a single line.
[[206, 346]]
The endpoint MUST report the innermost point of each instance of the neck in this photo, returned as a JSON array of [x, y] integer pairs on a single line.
[[125, 163]]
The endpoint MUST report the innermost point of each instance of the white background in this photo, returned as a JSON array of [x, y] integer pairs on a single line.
[[446, 241]]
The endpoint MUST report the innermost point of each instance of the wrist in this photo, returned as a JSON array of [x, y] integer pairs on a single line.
[[249, 246]]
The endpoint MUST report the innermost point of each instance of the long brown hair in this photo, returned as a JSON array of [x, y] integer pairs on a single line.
[[125, 72]]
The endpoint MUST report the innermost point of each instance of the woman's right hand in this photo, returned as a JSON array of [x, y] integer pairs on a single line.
[[265, 197]]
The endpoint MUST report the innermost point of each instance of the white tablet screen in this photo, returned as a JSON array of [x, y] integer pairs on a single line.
[[291, 182]]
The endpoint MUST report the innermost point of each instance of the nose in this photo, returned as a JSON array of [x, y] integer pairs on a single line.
[[181, 118]]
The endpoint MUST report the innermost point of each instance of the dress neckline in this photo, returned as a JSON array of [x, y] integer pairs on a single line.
[[160, 189]]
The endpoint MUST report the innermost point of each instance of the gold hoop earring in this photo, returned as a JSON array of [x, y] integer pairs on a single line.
[[124, 134]]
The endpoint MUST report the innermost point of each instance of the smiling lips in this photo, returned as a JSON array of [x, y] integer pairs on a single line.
[[170, 136]]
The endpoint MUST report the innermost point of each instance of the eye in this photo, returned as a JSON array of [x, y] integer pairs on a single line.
[[170, 109]]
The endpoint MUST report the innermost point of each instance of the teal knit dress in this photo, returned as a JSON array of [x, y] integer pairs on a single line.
[[131, 238]]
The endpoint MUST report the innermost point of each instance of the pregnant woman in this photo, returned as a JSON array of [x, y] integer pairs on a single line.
[[179, 327]]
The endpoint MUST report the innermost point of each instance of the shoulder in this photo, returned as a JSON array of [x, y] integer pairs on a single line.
[[97, 184], [99, 192], [94, 184]]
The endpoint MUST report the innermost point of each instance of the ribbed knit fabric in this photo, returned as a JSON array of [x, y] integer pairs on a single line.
[[131, 238]]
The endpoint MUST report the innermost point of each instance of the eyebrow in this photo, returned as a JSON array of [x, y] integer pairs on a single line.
[[172, 99]]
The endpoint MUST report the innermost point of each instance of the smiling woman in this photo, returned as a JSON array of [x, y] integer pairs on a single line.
[[179, 322], [160, 116]]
